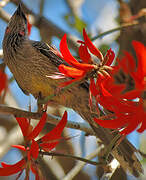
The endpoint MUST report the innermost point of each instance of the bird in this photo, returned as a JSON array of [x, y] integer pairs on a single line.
[[32, 61]]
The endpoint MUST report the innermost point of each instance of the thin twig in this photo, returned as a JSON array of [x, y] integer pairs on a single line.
[[73, 157], [114, 30]]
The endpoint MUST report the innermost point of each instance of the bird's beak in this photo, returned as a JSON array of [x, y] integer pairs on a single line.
[[19, 12]]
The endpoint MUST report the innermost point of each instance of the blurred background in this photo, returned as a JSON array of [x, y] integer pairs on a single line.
[[51, 19]]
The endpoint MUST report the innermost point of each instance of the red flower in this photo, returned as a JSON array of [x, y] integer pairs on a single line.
[[126, 115], [51, 139], [3, 81], [78, 70], [32, 148]]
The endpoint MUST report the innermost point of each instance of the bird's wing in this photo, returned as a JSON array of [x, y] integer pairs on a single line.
[[48, 51]]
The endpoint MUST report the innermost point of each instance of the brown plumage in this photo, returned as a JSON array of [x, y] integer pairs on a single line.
[[31, 61]]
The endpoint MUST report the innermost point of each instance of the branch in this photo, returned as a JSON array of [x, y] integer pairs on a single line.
[[4, 15], [51, 118]]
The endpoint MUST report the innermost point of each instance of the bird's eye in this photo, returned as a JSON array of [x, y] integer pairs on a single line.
[[22, 32]]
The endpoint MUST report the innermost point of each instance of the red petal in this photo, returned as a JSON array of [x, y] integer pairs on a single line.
[[84, 54], [131, 94], [91, 46], [131, 127], [3, 81], [48, 146], [93, 88], [143, 118], [34, 149], [111, 124], [123, 64], [70, 59], [117, 89], [19, 147], [71, 72], [38, 127], [141, 56], [131, 64], [24, 125], [143, 125], [85, 67], [8, 170], [65, 52], [108, 59], [56, 132], [29, 26], [5, 164]]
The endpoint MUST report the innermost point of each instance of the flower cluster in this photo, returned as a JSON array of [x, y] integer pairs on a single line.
[[124, 114], [79, 70], [33, 147]]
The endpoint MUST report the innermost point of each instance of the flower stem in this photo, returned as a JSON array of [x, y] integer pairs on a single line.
[[113, 30]]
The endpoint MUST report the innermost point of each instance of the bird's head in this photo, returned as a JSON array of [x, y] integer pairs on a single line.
[[18, 22]]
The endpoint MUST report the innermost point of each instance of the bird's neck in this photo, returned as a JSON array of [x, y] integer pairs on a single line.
[[13, 42]]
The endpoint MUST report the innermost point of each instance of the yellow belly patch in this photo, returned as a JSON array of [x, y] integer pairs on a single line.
[[45, 86]]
